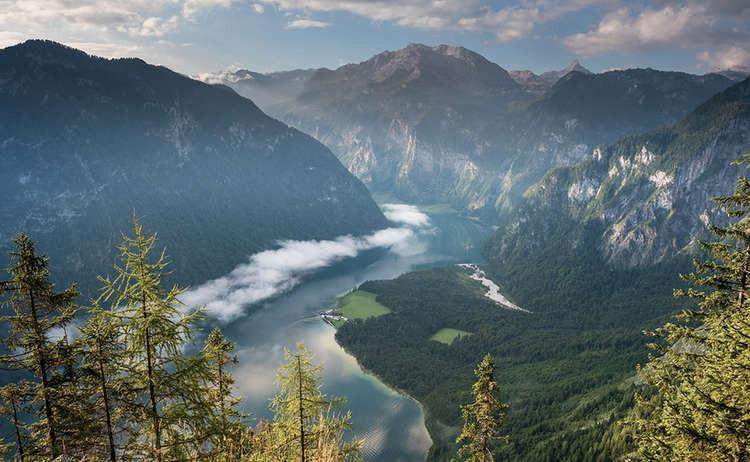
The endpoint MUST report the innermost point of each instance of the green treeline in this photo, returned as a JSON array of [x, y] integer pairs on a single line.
[[133, 384], [568, 369]]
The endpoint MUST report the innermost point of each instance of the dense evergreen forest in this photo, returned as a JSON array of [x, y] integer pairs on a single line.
[[568, 368]]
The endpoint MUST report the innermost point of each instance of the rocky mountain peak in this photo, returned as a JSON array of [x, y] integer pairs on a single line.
[[551, 77], [575, 66]]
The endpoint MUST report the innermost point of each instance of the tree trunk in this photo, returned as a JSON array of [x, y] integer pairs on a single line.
[[107, 412], [301, 413], [151, 386], [743, 276], [41, 357], [19, 441]]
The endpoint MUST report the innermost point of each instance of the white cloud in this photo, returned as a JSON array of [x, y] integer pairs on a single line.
[[406, 214], [307, 24], [421, 14], [272, 272], [191, 7], [515, 22], [258, 8], [157, 27], [734, 58], [689, 25]]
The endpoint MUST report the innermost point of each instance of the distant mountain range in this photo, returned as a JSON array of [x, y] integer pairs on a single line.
[[539, 84], [85, 142], [444, 124]]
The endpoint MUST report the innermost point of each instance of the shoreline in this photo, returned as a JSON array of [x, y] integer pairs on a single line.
[[391, 387]]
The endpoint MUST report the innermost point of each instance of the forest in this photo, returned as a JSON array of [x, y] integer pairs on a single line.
[[571, 373]]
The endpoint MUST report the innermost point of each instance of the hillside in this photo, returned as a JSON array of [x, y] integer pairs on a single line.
[[648, 196], [85, 142]]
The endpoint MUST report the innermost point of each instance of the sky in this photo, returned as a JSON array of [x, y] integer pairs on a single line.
[[197, 36]]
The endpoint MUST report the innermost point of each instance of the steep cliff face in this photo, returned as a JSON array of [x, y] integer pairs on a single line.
[[86, 142], [641, 201]]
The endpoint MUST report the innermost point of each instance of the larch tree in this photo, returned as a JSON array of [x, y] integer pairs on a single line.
[[306, 426], [227, 436], [37, 315], [13, 396], [483, 417], [695, 404], [168, 383], [103, 360]]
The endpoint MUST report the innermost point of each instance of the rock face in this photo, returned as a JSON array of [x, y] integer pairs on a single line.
[[443, 124], [641, 201], [86, 142]]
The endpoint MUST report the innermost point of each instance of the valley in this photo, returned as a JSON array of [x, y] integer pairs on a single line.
[[404, 217]]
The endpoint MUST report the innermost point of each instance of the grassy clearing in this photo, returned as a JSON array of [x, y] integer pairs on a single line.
[[449, 335], [361, 305]]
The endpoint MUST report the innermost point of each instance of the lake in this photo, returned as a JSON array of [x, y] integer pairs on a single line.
[[391, 424]]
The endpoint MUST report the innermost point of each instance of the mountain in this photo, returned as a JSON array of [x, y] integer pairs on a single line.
[[533, 83], [735, 74], [583, 111], [444, 125], [552, 77], [638, 202], [411, 122], [539, 84], [85, 142], [266, 90], [593, 251]]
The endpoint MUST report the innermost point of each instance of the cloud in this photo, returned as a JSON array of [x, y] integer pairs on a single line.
[[734, 58], [515, 22], [191, 7], [406, 214], [307, 24], [258, 8], [157, 27], [688, 25], [103, 21], [272, 272], [508, 24], [421, 14]]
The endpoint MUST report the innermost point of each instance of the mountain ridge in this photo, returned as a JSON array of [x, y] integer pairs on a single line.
[[85, 142], [443, 124]]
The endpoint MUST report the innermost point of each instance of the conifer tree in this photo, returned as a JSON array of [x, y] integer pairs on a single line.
[[13, 396], [227, 436], [696, 403], [36, 313], [168, 383], [103, 358], [306, 426], [483, 418]]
